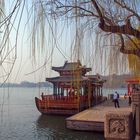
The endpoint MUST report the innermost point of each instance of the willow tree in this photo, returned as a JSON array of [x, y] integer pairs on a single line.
[[114, 19], [10, 14]]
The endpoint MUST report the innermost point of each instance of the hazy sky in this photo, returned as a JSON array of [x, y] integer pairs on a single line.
[[58, 48], [59, 42]]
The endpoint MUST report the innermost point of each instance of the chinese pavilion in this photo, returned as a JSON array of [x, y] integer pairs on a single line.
[[73, 90]]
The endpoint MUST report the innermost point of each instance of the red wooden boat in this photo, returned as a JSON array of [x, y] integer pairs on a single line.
[[73, 91]]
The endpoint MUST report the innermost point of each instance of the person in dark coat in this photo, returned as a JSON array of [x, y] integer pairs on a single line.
[[129, 100], [116, 99]]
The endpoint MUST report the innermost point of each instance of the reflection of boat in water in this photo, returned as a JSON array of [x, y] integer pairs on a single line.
[[52, 127], [73, 91], [51, 122]]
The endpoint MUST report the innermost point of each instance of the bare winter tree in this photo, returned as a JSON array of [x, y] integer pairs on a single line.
[[8, 48], [112, 17], [116, 18], [116, 23]]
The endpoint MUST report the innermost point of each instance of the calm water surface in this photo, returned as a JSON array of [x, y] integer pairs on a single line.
[[20, 120]]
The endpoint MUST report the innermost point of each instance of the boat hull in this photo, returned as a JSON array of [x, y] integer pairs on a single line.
[[58, 107]]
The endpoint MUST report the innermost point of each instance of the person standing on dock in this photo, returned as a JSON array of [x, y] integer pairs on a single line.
[[125, 96], [116, 99], [129, 100]]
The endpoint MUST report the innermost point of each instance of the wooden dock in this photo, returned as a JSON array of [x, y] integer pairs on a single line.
[[93, 118]]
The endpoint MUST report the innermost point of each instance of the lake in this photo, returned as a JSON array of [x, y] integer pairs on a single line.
[[20, 119]]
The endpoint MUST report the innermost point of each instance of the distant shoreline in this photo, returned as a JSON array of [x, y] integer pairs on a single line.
[[112, 82], [26, 84]]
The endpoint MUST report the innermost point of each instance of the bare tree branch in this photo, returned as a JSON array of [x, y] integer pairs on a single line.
[[127, 8], [124, 29], [80, 8], [123, 50]]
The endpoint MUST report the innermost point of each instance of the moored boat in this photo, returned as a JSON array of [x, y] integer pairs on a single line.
[[73, 90]]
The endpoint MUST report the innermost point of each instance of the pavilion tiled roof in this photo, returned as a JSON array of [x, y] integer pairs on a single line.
[[66, 79], [71, 66], [95, 79]]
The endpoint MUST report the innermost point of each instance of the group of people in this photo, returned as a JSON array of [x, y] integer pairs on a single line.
[[116, 99]]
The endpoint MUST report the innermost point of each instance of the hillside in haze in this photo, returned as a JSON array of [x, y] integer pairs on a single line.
[[116, 81], [27, 84], [112, 81]]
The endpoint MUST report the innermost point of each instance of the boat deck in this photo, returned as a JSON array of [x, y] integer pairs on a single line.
[[93, 118]]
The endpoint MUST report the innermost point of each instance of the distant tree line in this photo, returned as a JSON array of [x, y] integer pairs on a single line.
[[28, 84], [116, 81], [112, 81]]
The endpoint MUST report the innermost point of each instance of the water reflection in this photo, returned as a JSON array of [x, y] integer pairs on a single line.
[[20, 120], [51, 121], [53, 127]]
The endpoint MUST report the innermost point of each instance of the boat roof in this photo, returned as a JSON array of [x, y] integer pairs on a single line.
[[71, 66], [66, 79], [63, 79]]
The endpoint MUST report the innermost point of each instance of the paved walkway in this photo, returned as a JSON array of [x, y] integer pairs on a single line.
[[123, 102], [96, 115]]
